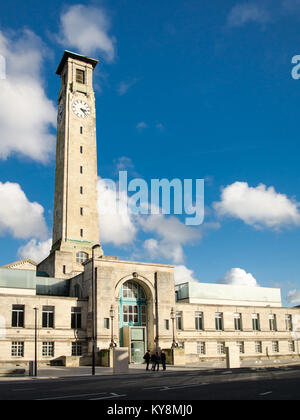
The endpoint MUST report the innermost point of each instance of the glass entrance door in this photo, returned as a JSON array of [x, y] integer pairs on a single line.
[[137, 351]]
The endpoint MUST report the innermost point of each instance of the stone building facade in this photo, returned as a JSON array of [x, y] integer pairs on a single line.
[[136, 304]]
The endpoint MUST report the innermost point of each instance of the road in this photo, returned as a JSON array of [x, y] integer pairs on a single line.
[[243, 384]]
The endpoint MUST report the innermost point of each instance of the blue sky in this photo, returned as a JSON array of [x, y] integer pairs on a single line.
[[184, 89]]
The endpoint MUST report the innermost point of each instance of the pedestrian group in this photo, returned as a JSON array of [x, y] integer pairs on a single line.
[[155, 359]]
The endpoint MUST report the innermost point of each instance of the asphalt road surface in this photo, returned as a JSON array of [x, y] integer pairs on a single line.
[[242, 384]]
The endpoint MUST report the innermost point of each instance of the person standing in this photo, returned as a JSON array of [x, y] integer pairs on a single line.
[[163, 359], [147, 359], [157, 361], [153, 361]]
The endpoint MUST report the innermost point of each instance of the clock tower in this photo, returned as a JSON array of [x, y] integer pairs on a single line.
[[75, 216]]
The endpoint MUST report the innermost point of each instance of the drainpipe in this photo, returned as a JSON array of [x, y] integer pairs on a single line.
[[156, 313]]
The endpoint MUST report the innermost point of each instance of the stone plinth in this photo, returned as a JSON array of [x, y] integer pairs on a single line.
[[120, 357]]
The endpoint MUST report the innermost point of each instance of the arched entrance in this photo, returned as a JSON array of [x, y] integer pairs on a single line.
[[133, 319]]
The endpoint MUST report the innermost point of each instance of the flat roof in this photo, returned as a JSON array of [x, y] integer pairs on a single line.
[[70, 54]]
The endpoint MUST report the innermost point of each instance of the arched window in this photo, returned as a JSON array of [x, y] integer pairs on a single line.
[[81, 257]]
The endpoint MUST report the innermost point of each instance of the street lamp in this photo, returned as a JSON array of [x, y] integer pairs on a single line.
[[112, 315], [35, 341], [94, 332], [173, 317]]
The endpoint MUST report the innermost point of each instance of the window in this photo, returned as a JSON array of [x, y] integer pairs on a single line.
[[106, 323], [81, 169], [238, 322], [241, 346], [81, 190], [199, 321], [130, 314], [255, 322], [81, 211], [201, 348], [17, 349], [130, 290], [48, 317], [81, 233], [179, 320], [81, 149], [221, 348], [219, 321], [275, 346], [258, 347], [18, 312], [76, 349], [76, 318], [272, 322], [81, 257], [48, 349], [291, 345], [167, 324], [81, 130], [80, 76], [288, 323]]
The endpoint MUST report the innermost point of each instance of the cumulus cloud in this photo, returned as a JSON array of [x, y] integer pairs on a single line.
[[242, 14], [239, 277], [172, 235], [26, 114], [116, 222], [141, 126], [258, 206], [86, 28], [183, 275], [35, 250], [293, 297], [125, 86], [18, 216]]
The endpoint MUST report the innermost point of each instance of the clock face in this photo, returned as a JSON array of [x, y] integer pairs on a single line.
[[81, 109]]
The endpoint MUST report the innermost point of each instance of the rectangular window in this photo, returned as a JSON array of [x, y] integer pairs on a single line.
[[272, 322], [80, 76], [76, 349], [17, 349], [220, 348], [106, 323], [81, 233], [81, 130], [219, 321], [291, 345], [288, 323], [18, 316], [241, 346], [179, 320], [167, 324], [81, 169], [201, 348], [76, 318], [48, 349], [275, 346], [130, 314], [255, 322], [48, 316], [81, 190], [199, 321], [238, 322], [81, 211], [258, 347], [81, 149]]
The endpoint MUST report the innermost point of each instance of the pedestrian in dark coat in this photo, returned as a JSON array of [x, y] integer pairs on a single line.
[[147, 359], [153, 361], [163, 359], [157, 360]]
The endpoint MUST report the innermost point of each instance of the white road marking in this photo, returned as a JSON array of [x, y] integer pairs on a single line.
[[169, 388], [72, 396], [108, 398], [266, 393]]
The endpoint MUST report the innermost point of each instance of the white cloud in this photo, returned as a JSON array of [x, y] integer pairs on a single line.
[[125, 86], [242, 14], [293, 297], [258, 206], [239, 277], [183, 275], [141, 126], [18, 216], [86, 28], [36, 250], [172, 233], [115, 220], [26, 114]]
